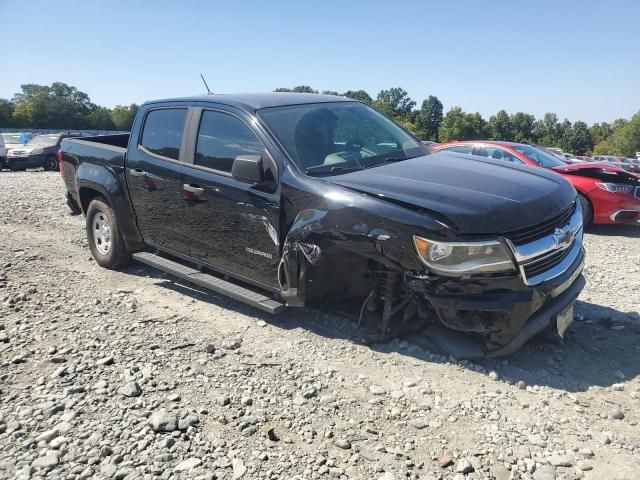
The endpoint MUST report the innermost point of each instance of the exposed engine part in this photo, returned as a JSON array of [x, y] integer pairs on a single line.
[[390, 295]]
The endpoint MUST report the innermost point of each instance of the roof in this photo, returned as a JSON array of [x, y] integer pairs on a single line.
[[256, 101]]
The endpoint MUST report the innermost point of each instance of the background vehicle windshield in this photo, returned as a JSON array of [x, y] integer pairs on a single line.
[[541, 158], [44, 140], [11, 138], [324, 136]]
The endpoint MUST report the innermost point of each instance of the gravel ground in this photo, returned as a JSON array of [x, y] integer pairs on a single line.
[[131, 375]]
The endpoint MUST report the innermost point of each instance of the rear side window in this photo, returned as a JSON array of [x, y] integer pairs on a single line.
[[162, 132], [221, 138]]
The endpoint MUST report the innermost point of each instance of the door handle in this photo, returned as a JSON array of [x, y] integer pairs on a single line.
[[196, 190], [137, 172]]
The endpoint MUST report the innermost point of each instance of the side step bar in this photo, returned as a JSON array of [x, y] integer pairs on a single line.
[[210, 282]]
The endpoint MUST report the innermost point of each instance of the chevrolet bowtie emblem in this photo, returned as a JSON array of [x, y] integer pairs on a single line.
[[563, 237]]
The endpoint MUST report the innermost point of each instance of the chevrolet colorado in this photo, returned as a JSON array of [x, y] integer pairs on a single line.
[[288, 199]]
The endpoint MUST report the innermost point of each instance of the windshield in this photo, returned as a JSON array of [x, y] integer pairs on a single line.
[[44, 140], [11, 138], [335, 138], [541, 158]]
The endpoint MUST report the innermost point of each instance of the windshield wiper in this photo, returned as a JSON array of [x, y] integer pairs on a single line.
[[314, 171], [387, 160]]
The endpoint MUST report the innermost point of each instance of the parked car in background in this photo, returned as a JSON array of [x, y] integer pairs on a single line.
[[630, 165], [605, 158], [40, 151], [569, 158], [15, 139], [3, 151], [608, 194]]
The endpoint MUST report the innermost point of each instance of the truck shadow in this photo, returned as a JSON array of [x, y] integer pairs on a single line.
[[601, 348], [629, 230]]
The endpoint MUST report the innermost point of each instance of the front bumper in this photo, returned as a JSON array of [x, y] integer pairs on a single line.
[[615, 208], [25, 161], [502, 313]]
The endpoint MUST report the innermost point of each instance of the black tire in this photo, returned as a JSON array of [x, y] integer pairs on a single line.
[[111, 253], [51, 163], [587, 210]]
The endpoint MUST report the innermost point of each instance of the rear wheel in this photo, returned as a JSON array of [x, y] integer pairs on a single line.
[[51, 163], [587, 210], [103, 235]]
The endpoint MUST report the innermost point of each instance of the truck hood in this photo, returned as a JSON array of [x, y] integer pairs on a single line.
[[476, 195]]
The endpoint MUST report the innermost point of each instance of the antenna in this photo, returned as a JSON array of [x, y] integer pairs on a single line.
[[209, 92]]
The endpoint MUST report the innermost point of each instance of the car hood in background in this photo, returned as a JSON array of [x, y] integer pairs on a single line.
[[480, 196], [599, 170]]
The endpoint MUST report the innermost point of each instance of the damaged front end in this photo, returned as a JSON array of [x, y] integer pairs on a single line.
[[489, 303]]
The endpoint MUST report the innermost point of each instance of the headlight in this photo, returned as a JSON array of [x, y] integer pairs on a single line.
[[461, 258], [36, 151], [616, 187]]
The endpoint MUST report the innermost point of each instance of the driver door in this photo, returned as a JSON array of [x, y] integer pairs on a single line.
[[232, 226]]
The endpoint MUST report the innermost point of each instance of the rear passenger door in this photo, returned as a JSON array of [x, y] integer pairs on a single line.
[[233, 226], [153, 173]]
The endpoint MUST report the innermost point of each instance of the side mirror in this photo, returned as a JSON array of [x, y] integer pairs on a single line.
[[248, 169]]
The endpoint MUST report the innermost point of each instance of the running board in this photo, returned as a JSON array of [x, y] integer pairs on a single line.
[[210, 282]]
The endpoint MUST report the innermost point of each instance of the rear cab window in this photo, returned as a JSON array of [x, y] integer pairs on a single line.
[[162, 132]]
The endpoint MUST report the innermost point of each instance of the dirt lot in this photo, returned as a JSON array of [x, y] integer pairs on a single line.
[[130, 375]]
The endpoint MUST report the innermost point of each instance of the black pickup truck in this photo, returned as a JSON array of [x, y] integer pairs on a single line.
[[297, 199]]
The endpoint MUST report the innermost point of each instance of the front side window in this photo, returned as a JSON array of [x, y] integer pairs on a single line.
[[223, 137], [496, 153], [162, 132], [334, 138]]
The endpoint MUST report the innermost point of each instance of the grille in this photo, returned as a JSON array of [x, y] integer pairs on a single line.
[[542, 264], [543, 229]]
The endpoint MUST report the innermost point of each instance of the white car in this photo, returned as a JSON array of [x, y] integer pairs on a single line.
[[3, 150], [15, 139]]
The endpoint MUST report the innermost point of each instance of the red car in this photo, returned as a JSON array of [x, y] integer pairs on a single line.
[[607, 193]]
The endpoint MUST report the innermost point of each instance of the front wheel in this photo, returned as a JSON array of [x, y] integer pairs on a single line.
[[587, 210], [103, 235], [51, 163]]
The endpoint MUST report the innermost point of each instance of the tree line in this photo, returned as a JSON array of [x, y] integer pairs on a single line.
[[65, 107]]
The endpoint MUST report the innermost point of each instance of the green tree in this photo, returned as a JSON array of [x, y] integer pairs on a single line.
[[429, 118], [122, 116], [359, 95], [547, 130], [600, 131], [458, 125], [100, 119], [605, 147], [500, 126], [627, 138], [522, 125], [580, 140], [394, 103], [298, 89], [330, 92], [6, 113], [58, 106]]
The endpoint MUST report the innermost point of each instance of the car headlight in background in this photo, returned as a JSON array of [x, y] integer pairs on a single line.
[[462, 258], [616, 187], [36, 151]]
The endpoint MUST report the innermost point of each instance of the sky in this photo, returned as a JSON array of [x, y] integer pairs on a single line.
[[577, 58]]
